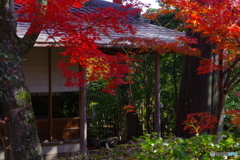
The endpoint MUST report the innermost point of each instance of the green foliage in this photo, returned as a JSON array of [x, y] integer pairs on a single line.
[[23, 96], [232, 102], [170, 76], [171, 69], [178, 148], [149, 147], [142, 91], [104, 111]]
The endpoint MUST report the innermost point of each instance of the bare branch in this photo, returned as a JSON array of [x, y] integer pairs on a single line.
[[232, 81], [226, 84], [234, 85], [53, 38], [232, 66]]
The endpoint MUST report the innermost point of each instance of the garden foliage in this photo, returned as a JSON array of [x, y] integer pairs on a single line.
[[200, 146]]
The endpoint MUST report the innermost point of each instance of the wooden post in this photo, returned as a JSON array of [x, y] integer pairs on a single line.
[[50, 95], [83, 113], [157, 96]]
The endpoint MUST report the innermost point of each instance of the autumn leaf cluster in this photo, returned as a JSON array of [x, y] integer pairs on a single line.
[[219, 21], [128, 108], [235, 117], [199, 122]]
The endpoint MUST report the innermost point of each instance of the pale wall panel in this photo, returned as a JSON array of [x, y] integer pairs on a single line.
[[36, 71]]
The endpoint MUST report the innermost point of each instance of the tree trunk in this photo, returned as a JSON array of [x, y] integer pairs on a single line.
[[15, 98], [157, 115], [197, 92], [219, 107], [16, 102], [133, 125], [134, 128], [83, 113], [149, 125]]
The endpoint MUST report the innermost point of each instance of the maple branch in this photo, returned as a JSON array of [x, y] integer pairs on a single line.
[[52, 37], [86, 28]]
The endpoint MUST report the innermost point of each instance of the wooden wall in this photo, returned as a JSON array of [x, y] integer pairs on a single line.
[[63, 128]]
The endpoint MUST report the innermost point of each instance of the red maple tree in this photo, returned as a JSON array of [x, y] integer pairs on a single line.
[[74, 26]]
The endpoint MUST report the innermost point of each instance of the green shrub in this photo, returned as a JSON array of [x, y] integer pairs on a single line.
[[197, 147], [148, 147]]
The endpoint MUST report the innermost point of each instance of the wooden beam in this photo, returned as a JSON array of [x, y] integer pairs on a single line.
[[50, 127], [157, 96], [82, 113]]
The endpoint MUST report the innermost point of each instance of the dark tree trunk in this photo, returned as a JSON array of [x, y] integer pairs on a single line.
[[16, 103], [197, 93], [134, 128], [15, 98], [133, 125]]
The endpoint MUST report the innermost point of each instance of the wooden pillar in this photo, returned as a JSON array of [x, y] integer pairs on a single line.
[[83, 113], [157, 96], [50, 94]]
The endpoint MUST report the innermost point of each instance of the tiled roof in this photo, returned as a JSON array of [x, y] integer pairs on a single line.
[[144, 30]]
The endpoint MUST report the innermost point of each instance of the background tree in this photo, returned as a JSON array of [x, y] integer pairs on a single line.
[[196, 91], [221, 35]]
